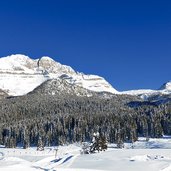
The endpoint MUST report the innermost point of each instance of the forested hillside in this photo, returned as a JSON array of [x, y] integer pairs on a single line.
[[59, 117]]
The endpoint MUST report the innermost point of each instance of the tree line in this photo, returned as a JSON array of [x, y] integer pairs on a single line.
[[57, 120]]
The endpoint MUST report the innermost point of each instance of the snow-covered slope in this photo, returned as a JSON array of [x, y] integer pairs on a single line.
[[154, 155], [166, 86], [93, 82], [60, 87], [20, 74], [146, 93]]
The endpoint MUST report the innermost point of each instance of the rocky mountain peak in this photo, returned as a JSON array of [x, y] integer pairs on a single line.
[[20, 74], [166, 86]]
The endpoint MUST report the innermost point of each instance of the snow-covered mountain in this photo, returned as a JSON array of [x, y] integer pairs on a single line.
[[166, 86], [165, 89], [20, 74], [59, 87]]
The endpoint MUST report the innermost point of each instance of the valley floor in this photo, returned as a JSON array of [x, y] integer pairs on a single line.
[[154, 155]]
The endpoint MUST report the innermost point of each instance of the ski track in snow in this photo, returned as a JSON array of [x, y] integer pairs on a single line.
[[168, 168]]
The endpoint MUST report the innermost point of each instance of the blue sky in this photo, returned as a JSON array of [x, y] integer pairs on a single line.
[[127, 42]]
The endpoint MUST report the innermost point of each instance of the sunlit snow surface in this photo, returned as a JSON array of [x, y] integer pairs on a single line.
[[20, 74], [154, 155]]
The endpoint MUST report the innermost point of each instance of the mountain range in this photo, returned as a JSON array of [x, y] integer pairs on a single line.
[[20, 75]]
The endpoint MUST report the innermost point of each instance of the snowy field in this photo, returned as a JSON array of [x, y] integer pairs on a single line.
[[154, 155]]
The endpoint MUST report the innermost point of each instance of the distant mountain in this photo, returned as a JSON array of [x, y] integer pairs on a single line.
[[166, 86], [20, 74], [165, 89]]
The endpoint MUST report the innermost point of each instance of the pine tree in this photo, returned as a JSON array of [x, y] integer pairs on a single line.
[[40, 145]]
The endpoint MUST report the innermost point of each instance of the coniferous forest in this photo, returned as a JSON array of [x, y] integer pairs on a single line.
[[67, 118]]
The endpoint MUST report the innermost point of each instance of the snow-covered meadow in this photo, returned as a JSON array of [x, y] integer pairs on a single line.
[[154, 155]]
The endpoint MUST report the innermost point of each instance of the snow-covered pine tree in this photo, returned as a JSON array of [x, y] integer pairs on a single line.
[[40, 145], [99, 143]]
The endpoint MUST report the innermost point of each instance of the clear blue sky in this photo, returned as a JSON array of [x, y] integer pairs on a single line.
[[127, 42]]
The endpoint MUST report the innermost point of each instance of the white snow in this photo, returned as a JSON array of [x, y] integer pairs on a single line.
[[145, 93], [94, 83], [20, 84], [166, 86], [20, 74], [154, 155], [16, 63]]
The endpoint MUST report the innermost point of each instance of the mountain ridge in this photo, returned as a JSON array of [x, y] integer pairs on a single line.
[[19, 75]]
